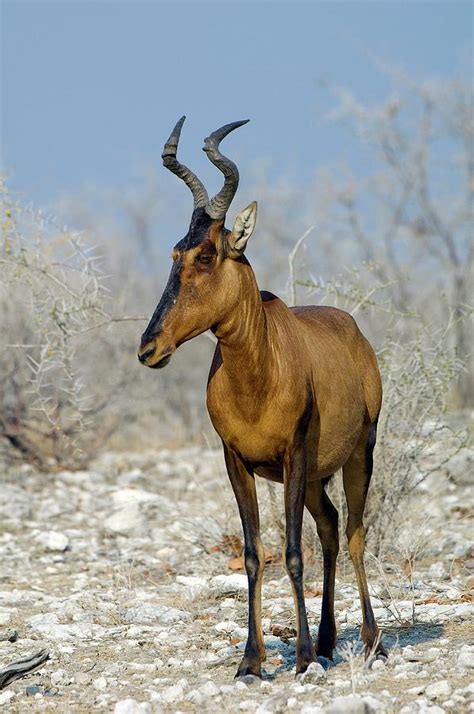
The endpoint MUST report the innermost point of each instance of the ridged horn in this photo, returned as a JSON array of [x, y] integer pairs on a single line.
[[171, 162], [218, 206]]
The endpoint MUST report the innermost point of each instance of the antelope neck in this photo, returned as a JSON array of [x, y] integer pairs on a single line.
[[243, 338]]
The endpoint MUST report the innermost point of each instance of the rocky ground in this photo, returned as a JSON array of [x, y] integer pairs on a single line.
[[130, 576]]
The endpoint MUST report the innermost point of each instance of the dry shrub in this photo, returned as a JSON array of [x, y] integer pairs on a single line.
[[70, 381], [415, 438], [51, 290]]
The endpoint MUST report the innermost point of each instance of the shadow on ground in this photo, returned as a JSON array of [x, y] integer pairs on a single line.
[[393, 637]]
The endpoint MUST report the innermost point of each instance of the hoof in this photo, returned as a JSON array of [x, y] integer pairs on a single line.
[[380, 653], [301, 667], [326, 652], [248, 671], [249, 678]]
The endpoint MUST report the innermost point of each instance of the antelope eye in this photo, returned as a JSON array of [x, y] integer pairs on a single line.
[[204, 258]]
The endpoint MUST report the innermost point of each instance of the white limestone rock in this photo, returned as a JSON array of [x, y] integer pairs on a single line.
[[53, 541], [148, 613], [438, 690], [131, 706], [313, 675], [229, 583]]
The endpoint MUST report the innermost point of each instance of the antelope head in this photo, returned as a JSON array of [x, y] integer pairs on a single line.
[[202, 286]]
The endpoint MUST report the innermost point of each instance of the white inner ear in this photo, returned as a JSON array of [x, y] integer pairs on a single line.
[[244, 226]]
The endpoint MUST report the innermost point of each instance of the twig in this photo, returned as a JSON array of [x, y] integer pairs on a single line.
[[291, 264], [22, 667]]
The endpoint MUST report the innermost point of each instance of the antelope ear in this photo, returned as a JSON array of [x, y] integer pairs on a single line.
[[243, 228]]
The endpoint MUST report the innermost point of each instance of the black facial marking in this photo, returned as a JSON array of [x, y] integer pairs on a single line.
[[168, 299], [198, 230]]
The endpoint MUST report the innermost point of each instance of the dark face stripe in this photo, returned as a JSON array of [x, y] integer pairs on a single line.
[[198, 230], [168, 299], [197, 233]]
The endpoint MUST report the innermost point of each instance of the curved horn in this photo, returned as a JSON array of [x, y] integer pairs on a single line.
[[218, 206], [171, 162]]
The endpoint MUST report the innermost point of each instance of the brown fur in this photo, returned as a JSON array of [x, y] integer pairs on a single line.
[[294, 395]]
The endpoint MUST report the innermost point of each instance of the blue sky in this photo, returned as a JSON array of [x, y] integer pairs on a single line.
[[90, 90]]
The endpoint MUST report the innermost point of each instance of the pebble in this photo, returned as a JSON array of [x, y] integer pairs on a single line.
[[416, 691], [209, 689], [149, 613], [131, 706], [436, 571], [249, 679], [32, 691], [460, 467], [438, 690], [195, 696], [430, 655], [6, 696], [315, 673], [49, 626], [303, 688], [175, 693], [351, 704], [100, 683], [126, 520], [229, 583], [466, 657], [10, 635], [378, 665], [6, 614], [53, 541], [193, 586], [373, 704], [59, 677], [226, 626]]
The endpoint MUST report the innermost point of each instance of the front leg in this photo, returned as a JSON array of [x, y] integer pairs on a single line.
[[295, 491], [243, 484]]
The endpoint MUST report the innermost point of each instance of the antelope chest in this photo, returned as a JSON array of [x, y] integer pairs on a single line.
[[258, 436]]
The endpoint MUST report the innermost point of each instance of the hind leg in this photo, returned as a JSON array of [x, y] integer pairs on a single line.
[[356, 476], [321, 508], [295, 484]]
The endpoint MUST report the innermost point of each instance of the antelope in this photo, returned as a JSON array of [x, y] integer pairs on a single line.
[[294, 394]]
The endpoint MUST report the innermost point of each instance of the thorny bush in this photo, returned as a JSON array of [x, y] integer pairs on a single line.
[[51, 291]]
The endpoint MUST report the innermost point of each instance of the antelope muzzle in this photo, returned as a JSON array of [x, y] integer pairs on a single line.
[[154, 355]]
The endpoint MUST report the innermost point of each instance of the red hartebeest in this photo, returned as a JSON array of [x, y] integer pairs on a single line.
[[294, 394]]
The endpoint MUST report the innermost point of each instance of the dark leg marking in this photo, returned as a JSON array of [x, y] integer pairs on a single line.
[[243, 484], [321, 508], [295, 482]]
